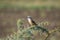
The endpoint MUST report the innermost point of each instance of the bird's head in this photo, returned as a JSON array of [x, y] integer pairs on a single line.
[[29, 17]]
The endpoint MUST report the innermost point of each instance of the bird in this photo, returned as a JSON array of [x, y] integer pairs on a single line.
[[31, 21]]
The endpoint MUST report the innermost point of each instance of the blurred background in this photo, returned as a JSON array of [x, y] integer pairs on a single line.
[[44, 12]]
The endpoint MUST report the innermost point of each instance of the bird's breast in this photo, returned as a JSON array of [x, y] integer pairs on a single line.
[[30, 21]]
